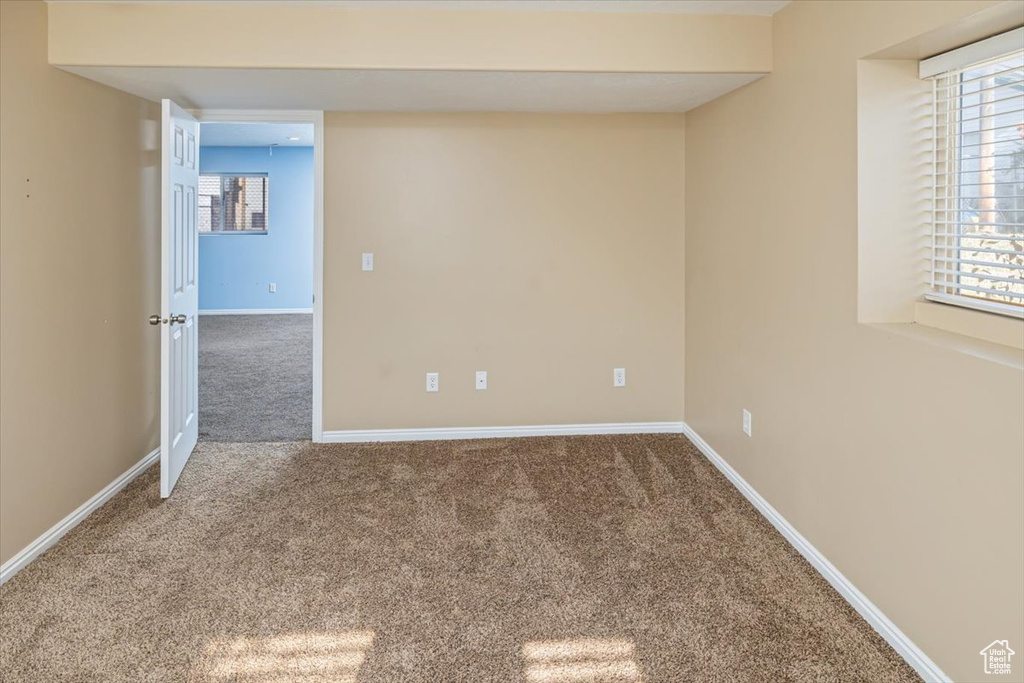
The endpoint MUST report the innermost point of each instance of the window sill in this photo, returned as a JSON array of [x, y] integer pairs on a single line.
[[959, 330], [233, 232], [987, 327]]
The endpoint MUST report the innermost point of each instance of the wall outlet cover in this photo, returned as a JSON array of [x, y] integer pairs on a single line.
[[433, 381], [619, 377], [481, 379], [368, 261]]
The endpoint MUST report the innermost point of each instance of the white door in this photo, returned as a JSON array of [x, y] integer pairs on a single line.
[[179, 299]]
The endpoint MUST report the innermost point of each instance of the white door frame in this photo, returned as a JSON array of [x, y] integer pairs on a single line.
[[317, 119]]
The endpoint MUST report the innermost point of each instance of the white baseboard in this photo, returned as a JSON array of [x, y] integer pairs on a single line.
[[253, 311], [444, 433], [899, 641], [54, 534]]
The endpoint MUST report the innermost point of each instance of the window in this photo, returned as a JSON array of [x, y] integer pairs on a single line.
[[233, 203], [977, 245]]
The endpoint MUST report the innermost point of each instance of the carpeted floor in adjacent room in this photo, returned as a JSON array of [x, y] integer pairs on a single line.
[[613, 558], [256, 377]]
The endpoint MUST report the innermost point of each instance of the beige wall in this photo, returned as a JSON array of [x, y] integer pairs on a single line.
[[893, 188], [901, 461], [545, 249], [307, 36], [79, 246]]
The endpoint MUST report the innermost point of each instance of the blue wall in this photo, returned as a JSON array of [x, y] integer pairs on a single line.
[[235, 271]]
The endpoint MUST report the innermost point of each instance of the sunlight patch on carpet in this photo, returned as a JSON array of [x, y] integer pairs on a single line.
[[290, 657], [581, 660]]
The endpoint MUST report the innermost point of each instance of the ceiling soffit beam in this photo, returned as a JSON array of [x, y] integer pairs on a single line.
[[253, 35]]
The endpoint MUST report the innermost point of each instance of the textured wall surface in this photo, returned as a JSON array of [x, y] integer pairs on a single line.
[[544, 249], [900, 460], [79, 247], [235, 271]]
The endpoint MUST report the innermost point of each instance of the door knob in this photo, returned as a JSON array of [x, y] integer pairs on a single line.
[[156, 320]]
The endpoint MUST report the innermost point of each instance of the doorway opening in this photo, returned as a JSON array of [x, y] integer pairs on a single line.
[[259, 224]]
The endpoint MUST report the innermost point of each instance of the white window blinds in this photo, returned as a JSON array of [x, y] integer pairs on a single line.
[[977, 247]]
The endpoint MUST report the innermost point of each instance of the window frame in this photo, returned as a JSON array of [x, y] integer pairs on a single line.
[[266, 201], [947, 151]]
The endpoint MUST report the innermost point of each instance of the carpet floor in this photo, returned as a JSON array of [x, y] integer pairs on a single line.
[[611, 558], [256, 377]]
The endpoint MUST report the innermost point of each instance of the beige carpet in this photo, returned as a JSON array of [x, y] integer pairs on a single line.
[[549, 560]]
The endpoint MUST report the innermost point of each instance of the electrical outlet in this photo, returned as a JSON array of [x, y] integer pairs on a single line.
[[432, 381], [619, 377], [481, 379], [273, 287], [368, 261], [746, 422]]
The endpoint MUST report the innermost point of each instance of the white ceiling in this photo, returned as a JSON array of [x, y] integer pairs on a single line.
[[403, 90], [256, 134], [750, 7]]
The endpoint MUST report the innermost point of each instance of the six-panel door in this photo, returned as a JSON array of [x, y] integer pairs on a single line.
[[180, 294]]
